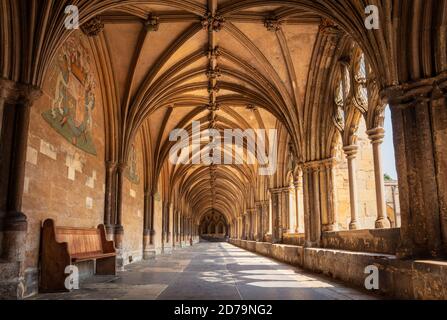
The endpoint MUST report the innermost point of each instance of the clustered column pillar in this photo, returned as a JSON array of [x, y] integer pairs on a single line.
[[419, 115], [110, 199], [258, 213], [299, 217], [15, 105], [287, 218], [318, 193], [276, 215], [376, 136], [351, 154]]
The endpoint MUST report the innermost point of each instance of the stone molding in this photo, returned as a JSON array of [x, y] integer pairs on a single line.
[[413, 93], [18, 93]]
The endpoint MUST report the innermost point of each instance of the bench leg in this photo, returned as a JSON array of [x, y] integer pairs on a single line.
[[106, 266]]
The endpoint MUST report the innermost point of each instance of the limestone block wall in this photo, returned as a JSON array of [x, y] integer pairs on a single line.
[[371, 240], [65, 165], [293, 238], [65, 172], [133, 207], [403, 279]]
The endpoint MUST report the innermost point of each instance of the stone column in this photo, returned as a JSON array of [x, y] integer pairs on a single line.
[[419, 115], [110, 199], [243, 231], [259, 232], [318, 200], [316, 221], [119, 229], [299, 214], [376, 136], [287, 218], [253, 223], [307, 191], [328, 179], [276, 215], [265, 218], [351, 154], [148, 248], [16, 100]]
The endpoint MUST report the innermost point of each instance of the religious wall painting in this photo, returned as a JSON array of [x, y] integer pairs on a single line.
[[132, 171], [73, 95]]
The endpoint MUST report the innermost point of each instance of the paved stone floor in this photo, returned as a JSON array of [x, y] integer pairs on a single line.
[[211, 271]]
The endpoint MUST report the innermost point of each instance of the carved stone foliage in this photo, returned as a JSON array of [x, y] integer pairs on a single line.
[[213, 22], [272, 24], [93, 27]]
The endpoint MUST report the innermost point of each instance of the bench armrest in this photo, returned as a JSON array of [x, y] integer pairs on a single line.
[[107, 246]]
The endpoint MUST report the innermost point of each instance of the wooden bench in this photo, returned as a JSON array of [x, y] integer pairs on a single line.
[[64, 246]]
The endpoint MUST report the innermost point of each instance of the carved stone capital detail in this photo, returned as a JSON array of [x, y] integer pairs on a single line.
[[15, 92], [328, 27], [272, 24], [152, 23], [414, 93], [93, 27]]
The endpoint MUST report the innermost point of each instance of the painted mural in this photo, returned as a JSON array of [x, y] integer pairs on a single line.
[[73, 98], [132, 171]]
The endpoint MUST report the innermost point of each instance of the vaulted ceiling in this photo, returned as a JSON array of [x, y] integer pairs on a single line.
[[172, 66], [230, 64]]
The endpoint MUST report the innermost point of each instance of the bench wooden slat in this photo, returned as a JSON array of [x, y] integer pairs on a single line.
[[62, 246]]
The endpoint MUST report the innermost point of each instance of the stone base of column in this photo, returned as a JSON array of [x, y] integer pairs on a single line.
[[110, 232], [167, 249], [13, 241], [12, 281], [328, 227], [149, 253], [119, 236], [382, 223], [354, 225], [312, 244]]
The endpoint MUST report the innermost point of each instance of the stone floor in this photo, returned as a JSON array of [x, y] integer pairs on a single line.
[[211, 271]]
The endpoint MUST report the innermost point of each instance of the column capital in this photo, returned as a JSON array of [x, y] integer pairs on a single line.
[[110, 165], [121, 166], [328, 27], [15, 92], [413, 93], [279, 190], [376, 135], [351, 151], [272, 24], [316, 165]]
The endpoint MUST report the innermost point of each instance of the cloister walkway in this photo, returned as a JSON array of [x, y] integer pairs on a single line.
[[211, 271]]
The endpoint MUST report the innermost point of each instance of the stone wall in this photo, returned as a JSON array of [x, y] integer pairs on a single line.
[[63, 181], [372, 240], [133, 206], [402, 279], [65, 165], [293, 238]]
